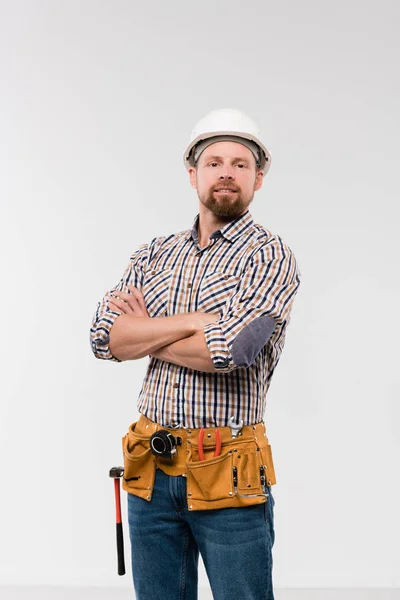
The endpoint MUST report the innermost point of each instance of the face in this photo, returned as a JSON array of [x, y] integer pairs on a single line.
[[230, 167]]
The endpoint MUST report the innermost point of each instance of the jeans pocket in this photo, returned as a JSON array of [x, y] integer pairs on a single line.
[[269, 514]]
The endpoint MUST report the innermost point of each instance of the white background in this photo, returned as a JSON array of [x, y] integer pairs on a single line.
[[97, 103]]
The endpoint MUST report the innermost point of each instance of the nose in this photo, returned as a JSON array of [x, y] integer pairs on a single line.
[[227, 174]]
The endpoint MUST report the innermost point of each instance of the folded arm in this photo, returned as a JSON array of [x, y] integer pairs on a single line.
[[258, 311], [191, 352], [259, 308], [123, 330]]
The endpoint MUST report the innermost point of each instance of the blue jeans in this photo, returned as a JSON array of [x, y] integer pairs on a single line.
[[235, 545]]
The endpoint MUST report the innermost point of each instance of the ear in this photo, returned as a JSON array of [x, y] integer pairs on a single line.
[[259, 180], [193, 177]]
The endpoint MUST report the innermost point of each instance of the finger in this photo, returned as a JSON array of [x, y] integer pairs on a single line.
[[121, 294], [128, 299], [124, 311], [113, 302], [114, 307], [139, 297], [119, 304], [133, 295], [135, 291]]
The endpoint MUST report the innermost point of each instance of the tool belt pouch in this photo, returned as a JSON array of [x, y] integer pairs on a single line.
[[240, 476], [139, 464]]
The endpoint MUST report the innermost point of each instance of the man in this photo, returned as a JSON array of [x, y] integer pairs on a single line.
[[210, 306]]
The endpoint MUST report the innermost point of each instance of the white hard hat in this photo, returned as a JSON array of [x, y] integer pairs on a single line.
[[227, 123]]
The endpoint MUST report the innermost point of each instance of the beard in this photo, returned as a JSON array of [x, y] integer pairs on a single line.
[[225, 206]]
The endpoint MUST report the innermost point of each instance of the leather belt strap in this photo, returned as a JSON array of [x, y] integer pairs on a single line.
[[177, 466]]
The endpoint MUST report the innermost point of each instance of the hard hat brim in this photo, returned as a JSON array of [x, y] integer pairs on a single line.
[[265, 154]]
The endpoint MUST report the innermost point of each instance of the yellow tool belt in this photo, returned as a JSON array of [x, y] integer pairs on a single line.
[[232, 479]]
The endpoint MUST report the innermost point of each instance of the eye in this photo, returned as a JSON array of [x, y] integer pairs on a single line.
[[239, 164]]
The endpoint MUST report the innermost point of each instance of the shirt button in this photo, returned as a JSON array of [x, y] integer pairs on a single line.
[[176, 385], [189, 285]]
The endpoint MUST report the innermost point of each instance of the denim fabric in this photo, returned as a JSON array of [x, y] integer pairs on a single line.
[[166, 538]]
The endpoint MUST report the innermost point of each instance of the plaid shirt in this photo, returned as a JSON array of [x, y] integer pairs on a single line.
[[246, 274]]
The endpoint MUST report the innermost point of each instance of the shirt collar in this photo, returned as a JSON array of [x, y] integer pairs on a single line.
[[232, 231]]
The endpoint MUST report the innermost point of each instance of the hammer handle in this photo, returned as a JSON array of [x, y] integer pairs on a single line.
[[120, 537], [120, 550]]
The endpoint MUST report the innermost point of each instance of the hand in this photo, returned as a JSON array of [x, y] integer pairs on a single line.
[[202, 319], [129, 304]]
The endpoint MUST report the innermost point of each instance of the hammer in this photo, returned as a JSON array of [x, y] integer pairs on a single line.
[[116, 473]]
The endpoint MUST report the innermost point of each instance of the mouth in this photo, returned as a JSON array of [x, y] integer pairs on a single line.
[[225, 191]]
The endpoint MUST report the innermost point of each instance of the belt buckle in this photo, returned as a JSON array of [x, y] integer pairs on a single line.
[[179, 426]]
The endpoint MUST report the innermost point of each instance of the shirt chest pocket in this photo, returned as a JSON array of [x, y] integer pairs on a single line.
[[215, 290], [155, 288]]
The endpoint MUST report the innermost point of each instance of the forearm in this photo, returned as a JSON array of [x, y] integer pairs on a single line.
[[134, 337], [191, 352]]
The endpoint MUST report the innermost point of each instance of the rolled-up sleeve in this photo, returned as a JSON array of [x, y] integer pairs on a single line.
[[260, 304], [104, 318]]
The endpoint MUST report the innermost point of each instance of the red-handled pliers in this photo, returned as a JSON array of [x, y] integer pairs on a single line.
[[217, 446]]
